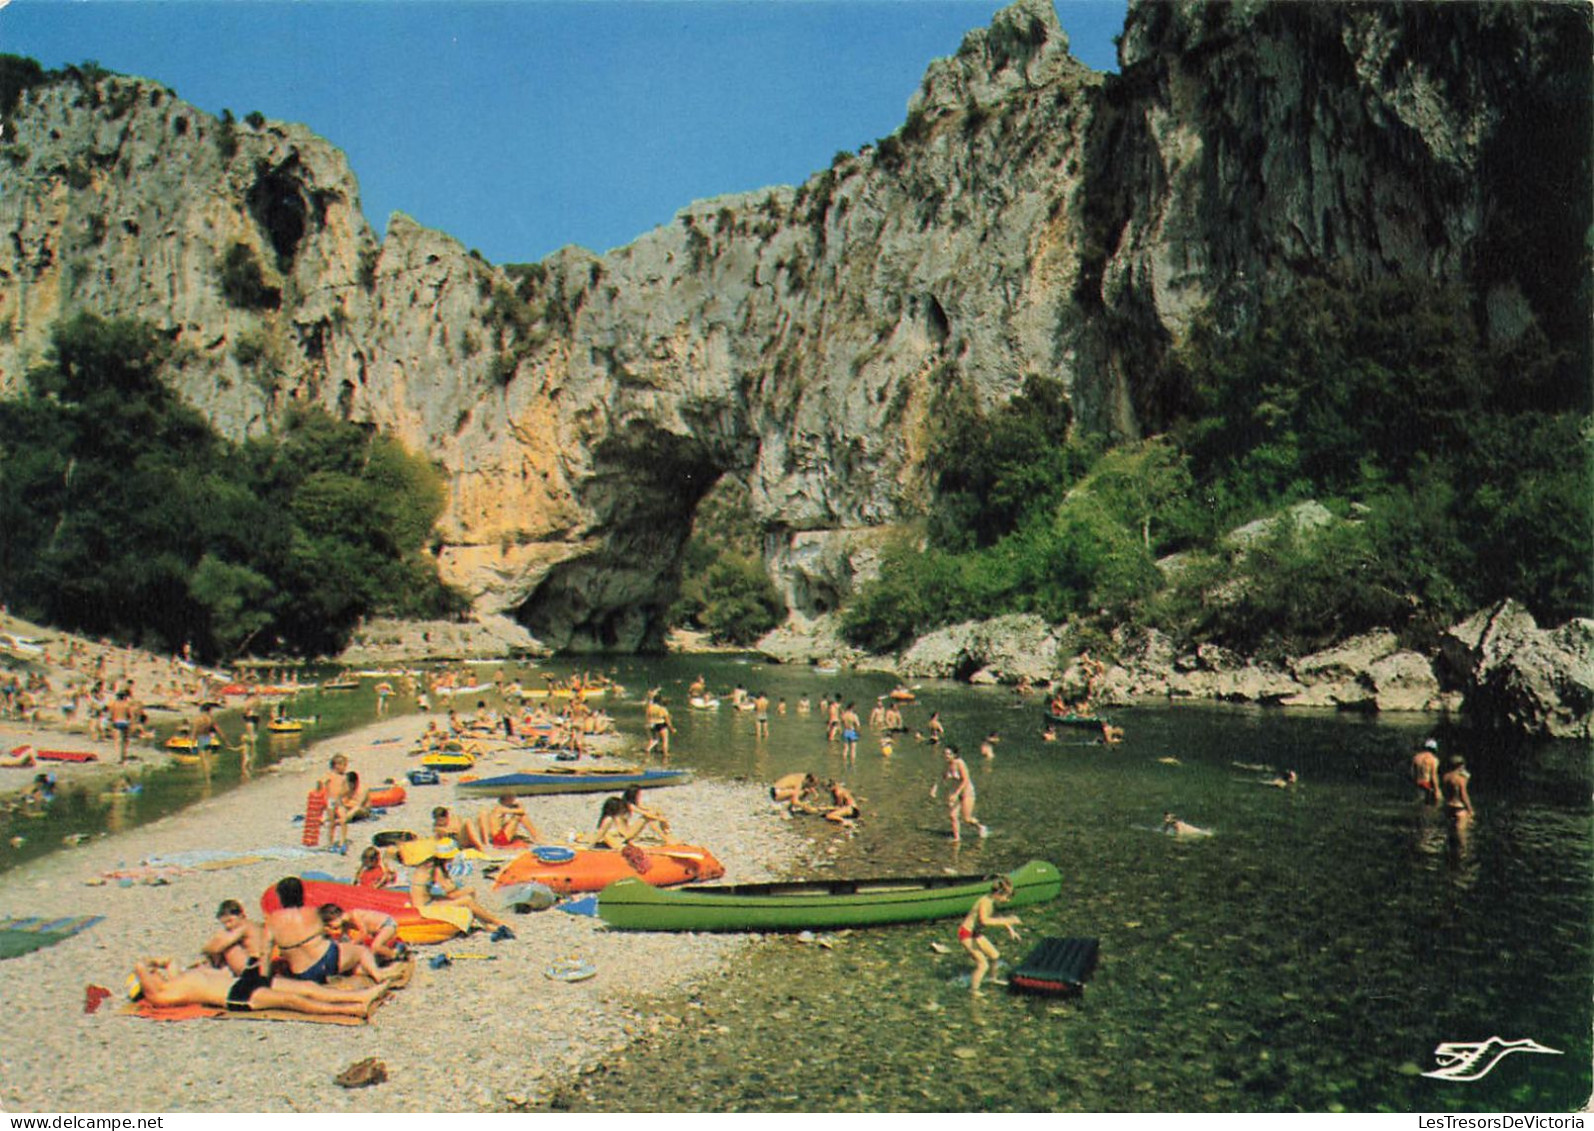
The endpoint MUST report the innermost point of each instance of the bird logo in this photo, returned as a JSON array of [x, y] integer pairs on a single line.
[[1466, 1061]]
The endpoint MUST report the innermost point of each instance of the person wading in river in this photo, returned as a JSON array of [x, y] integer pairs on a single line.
[[960, 802]]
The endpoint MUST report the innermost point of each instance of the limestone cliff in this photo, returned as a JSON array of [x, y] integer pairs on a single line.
[[1030, 216]]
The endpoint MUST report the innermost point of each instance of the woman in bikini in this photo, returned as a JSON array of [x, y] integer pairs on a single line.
[[844, 806], [311, 957], [615, 828], [971, 932], [433, 870], [960, 802]]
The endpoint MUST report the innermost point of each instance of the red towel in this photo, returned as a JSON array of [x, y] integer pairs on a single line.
[[94, 997]]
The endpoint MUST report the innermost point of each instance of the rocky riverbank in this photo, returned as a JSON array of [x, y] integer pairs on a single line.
[[1498, 666]]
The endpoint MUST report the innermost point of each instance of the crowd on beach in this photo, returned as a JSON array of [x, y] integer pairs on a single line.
[[258, 969]]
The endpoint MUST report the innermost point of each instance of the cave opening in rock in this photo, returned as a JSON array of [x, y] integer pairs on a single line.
[[644, 493], [276, 201]]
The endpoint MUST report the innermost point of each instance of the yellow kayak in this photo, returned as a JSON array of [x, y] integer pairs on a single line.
[[446, 761]]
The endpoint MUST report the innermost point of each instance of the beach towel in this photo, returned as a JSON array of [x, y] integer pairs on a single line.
[[66, 756], [150, 1012], [20, 936], [452, 914]]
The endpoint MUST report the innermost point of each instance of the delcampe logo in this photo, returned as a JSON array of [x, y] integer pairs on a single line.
[[1466, 1061]]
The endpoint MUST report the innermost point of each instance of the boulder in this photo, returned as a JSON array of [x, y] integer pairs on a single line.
[[1405, 681], [1009, 648], [807, 640], [1345, 662], [1519, 677]]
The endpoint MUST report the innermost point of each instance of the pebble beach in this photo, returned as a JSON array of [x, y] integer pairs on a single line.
[[488, 1032]]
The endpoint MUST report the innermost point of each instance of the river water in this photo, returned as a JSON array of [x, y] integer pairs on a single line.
[[1309, 955]]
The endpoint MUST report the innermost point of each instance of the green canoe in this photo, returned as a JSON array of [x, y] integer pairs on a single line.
[[633, 905]]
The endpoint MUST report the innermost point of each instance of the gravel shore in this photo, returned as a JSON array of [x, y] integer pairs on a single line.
[[482, 1034]]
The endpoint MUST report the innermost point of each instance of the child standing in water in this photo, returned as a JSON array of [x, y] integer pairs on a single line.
[[971, 932]]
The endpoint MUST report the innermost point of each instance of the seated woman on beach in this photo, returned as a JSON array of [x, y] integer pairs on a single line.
[[430, 868], [160, 984], [380, 929], [642, 818], [310, 956], [615, 828], [374, 870], [844, 806]]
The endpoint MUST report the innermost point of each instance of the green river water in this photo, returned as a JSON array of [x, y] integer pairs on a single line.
[[1310, 955]]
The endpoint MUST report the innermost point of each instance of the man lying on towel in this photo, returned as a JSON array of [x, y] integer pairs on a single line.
[[161, 983]]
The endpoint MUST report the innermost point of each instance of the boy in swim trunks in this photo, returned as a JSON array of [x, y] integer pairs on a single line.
[[971, 932], [505, 820], [238, 943]]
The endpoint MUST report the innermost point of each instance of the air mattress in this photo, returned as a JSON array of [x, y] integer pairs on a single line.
[[414, 925], [1057, 966]]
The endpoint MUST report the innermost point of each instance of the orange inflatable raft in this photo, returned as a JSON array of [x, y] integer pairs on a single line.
[[413, 926], [386, 797], [593, 869]]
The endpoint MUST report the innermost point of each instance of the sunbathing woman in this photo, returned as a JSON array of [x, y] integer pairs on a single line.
[[311, 957], [643, 819], [432, 869], [844, 806], [160, 984], [615, 829]]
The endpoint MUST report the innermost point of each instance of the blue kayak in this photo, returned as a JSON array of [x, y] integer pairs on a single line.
[[559, 780]]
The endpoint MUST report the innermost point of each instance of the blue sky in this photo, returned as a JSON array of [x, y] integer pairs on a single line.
[[518, 127]]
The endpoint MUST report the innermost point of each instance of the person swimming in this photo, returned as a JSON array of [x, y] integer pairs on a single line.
[[1173, 826]]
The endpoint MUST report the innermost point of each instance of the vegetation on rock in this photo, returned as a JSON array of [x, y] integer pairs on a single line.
[[1457, 472], [123, 513]]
